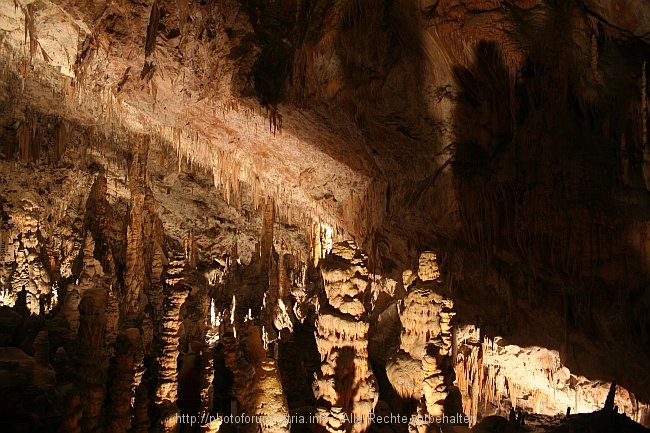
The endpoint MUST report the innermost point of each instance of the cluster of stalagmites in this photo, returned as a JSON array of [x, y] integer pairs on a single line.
[[346, 387], [23, 272], [120, 311]]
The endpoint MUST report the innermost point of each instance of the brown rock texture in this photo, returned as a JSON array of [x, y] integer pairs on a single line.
[[167, 386], [89, 356], [490, 152], [121, 393], [134, 275]]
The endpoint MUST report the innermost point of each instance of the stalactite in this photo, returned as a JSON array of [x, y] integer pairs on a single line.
[[25, 141], [60, 140], [266, 245]]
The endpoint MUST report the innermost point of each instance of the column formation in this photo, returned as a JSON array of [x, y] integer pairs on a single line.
[[167, 388], [346, 387], [89, 357], [418, 369], [121, 389]]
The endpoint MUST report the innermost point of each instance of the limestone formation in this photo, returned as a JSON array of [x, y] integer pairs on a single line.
[[134, 275], [269, 402], [154, 291], [420, 318], [43, 374], [92, 274], [167, 386], [137, 352], [490, 158], [419, 368], [71, 309], [346, 384], [72, 412], [207, 377], [242, 370], [428, 267], [112, 320], [121, 394], [141, 410], [23, 269]]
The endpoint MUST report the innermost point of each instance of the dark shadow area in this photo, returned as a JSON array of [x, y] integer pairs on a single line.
[[344, 372], [298, 361], [543, 203]]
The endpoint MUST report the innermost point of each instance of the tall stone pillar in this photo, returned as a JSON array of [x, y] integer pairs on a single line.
[[89, 357], [346, 387], [121, 390], [167, 388]]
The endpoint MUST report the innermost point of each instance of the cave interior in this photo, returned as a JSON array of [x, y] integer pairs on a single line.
[[311, 216]]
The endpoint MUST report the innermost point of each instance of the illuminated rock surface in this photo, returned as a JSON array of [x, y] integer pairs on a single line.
[[343, 202]]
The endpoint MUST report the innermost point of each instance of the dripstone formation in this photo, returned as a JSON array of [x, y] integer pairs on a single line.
[[292, 216], [346, 384]]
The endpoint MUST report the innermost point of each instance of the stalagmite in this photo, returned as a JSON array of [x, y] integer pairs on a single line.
[[71, 309], [134, 274], [270, 403], [72, 412], [112, 319], [167, 387], [425, 341], [92, 274], [141, 410], [511, 136], [644, 126], [89, 356], [346, 385], [242, 370], [137, 349], [22, 251], [207, 389], [121, 390], [154, 290], [428, 267], [43, 374]]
